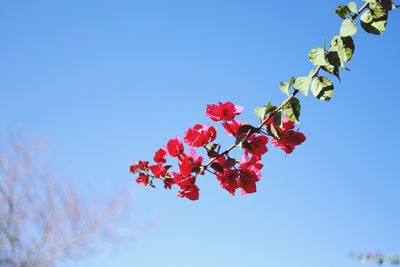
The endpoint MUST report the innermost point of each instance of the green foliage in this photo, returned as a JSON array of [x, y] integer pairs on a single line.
[[343, 11], [348, 28], [302, 84], [349, 47], [377, 258], [332, 70], [261, 112], [292, 109], [375, 19], [318, 57], [352, 7], [322, 88], [285, 87], [373, 16]]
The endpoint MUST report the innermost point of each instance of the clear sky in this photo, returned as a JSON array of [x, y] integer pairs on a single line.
[[106, 83]]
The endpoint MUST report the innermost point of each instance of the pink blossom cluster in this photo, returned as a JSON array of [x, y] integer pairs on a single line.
[[232, 173]]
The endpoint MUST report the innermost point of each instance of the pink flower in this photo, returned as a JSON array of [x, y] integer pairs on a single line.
[[229, 180], [161, 155], [196, 159], [249, 174], [142, 179], [133, 168], [185, 167], [190, 163], [140, 166], [232, 127], [168, 182], [289, 138], [191, 192], [258, 145], [223, 111], [200, 135], [158, 170], [183, 181], [175, 147]]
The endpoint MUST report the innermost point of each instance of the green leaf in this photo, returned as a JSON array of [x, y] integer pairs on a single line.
[[348, 28], [378, 11], [278, 118], [337, 53], [213, 150], [370, 25], [273, 131], [285, 87], [332, 70], [292, 109], [374, 20], [302, 84], [317, 57], [352, 7], [322, 88], [343, 11], [217, 167], [247, 145], [247, 129], [334, 59], [349, 47], [261, 112], [386, 4]]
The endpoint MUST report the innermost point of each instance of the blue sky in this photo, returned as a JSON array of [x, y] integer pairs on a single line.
[[106, 83]]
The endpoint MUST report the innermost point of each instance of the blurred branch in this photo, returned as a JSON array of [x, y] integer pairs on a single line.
[[44, 221], [376, 258]]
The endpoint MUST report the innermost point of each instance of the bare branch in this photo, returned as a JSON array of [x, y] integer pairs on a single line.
[[44, 220]]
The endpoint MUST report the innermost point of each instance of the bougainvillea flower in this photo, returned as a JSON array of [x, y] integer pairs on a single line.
[[232, 127], [185, 166], [229, 180], [289, 138], [183, 181], [223, 111], [190, 192], [168, 182], [133, 168], [175, 147], [196, 159], [249, 174], [258, 145], [140, 166], [158, 170], [161, 156], [254, 160], [200, 135], [143, 165], [189, 163], [142, 179]]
